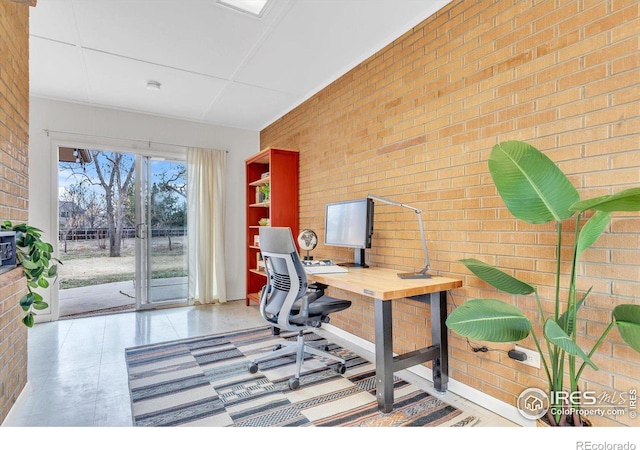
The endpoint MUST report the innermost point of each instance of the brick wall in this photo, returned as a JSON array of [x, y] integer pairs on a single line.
[[416, 123], [14, 141]]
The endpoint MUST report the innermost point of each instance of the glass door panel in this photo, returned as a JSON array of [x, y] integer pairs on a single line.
[[161, 232]]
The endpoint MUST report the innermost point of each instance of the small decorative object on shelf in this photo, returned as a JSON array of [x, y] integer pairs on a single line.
[[307, 240], [256, 240], [264, 190], [265, 175], [264, 222]]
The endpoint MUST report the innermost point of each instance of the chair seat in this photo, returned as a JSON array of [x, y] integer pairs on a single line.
[[323, 306]]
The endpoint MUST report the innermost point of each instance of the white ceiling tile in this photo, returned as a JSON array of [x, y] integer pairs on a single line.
[[57, 71], [54, 19], [248, 105], [315, 43], [119, 82], [194, 35]]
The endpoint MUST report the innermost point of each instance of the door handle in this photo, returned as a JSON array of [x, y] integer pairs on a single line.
[[140, 231]]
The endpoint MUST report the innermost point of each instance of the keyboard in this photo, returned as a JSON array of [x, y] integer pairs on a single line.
[[317, 262], [325, 268]]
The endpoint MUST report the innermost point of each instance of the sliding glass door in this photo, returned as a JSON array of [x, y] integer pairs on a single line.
[[161, 232]]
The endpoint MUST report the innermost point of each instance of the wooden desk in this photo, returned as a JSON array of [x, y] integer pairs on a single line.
[[383, 285]]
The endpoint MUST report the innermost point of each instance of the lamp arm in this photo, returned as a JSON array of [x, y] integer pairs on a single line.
[[391, 202], [424, 244], [419, 213]]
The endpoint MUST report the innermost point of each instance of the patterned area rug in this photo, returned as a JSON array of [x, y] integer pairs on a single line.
[[205, 381]]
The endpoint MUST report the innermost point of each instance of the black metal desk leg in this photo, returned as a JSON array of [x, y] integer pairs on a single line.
[[439, 337], [384, 355]]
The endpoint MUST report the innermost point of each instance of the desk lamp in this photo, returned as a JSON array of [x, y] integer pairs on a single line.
[[422, 273]]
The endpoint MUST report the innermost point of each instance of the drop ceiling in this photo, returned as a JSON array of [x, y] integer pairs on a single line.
[[215, 64]]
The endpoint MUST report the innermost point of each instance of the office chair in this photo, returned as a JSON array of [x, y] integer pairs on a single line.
[[289, 303]]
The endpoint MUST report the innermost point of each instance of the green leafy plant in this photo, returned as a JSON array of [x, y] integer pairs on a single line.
[[34, 255], [265, 188], [536, 191]]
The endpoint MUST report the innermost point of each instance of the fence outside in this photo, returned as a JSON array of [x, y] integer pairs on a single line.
[[87, 234]]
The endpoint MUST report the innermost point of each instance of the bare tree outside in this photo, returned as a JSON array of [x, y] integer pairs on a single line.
[[174, 179], [169, 195], [80, 208], [72, 210], [114, 173]]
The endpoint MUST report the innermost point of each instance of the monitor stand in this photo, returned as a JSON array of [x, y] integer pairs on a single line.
[[358, 260]]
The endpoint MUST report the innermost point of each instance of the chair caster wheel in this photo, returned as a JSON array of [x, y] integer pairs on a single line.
[[325, 348], [277, 347], [253, 367], [294, 383], [341, 369]]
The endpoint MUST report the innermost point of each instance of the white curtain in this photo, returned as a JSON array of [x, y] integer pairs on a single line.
[[206, 170]]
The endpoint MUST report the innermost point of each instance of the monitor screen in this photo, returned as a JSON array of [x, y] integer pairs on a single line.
[[349, 223]]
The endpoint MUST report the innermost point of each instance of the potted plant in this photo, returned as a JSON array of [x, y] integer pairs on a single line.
[[264, 190], [536, 191], [34, 255]]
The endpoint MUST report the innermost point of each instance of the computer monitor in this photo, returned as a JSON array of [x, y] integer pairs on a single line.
[[350, 224]]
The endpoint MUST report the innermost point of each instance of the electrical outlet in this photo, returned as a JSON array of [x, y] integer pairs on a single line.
[[533, 357]]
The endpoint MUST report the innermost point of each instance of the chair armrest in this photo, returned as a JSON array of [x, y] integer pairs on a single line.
[[304, 301], [318, 288]]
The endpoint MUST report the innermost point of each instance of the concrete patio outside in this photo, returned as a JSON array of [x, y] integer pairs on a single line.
[[113, 297]]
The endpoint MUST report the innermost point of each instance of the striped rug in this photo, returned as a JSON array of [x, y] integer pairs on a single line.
[[205, 381]]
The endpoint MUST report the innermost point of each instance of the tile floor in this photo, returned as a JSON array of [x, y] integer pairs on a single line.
[[77, 374]]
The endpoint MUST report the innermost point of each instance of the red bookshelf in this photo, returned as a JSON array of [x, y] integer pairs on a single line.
[[277, 168]]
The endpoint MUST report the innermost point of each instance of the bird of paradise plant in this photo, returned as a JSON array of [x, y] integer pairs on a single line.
[[536, 191]]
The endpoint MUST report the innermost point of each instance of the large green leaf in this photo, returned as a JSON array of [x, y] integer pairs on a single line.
[[489, 320], [43, 246], [626, 200], [53, 271], [592, 230], [532, 186], [29, 265], [556, 335], [497, 278], [27, 300], [40, 305], [627, 319], [567, 318], [28, 320]]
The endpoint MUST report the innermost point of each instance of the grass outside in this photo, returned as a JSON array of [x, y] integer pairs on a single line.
[[86, 264]]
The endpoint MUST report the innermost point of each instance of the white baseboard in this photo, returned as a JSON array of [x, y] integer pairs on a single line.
[[488, 402]]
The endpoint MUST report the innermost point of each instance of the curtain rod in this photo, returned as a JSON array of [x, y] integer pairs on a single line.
[[149, 142]]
